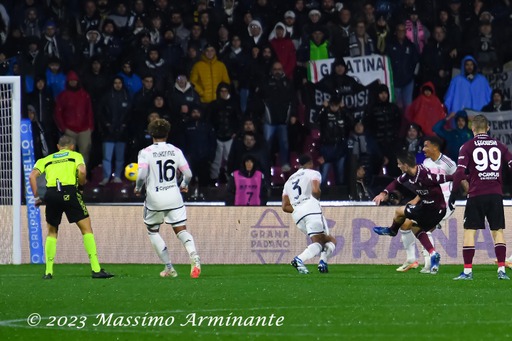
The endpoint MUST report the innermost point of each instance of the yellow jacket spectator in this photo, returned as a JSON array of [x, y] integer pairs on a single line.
[[207, 74]]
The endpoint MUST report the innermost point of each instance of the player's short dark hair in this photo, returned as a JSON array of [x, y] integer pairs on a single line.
[[434, 140], [407, 158], [159, 128], [304, 158], [480, 123], [66, 141]]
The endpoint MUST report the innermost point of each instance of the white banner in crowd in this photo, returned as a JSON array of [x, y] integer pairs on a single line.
[[500, 123], [365, 70], [255, 235]]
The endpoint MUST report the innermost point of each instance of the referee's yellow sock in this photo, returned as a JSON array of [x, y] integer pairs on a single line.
[[50, 249], [90, 248]]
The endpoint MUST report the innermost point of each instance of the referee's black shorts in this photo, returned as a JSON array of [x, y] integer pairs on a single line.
[[68, 200], [488, 206]]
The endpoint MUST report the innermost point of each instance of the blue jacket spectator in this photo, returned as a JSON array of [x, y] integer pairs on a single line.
[[468, 90], [454, 138]]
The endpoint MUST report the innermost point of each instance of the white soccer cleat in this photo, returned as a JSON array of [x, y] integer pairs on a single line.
[[425, 270], [195, 267], [169, 273], [407, 266]]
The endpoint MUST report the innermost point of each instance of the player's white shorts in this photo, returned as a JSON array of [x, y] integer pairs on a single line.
[[175, 217], [312, 224]]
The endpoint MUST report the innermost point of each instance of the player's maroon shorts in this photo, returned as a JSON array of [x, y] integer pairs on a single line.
[[425, 216], [488, 206]]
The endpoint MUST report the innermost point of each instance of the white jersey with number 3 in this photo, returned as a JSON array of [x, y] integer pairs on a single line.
[[298, 188], [162, 161]]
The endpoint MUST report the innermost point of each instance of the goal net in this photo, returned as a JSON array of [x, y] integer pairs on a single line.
[[10, 170]]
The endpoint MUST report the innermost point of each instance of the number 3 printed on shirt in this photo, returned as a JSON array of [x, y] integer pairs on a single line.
[[483, 158]]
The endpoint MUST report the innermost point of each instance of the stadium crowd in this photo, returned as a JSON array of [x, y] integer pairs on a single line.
[[232, 79]]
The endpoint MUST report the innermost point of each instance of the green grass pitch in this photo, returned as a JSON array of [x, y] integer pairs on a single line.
[[352, 302]]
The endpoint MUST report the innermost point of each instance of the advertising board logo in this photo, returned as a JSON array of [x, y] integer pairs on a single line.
[[270, 238]]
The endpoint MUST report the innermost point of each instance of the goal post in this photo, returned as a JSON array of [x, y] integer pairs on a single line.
[[10, 170]]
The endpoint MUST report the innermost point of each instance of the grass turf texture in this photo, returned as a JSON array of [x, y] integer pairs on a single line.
[[352, 302]]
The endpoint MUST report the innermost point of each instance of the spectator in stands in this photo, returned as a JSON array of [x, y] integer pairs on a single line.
[[196, 37], [278, 98], [172, 52], [155, 29], [363, 191], [380, 32], [469, 89], [456, 137], [247, 185], [90, 19], [222, 41], [237, 62], [426, 110], [43, 105], [207, 74], [404, 59], [224, 116], [91, 46], [497, 102], [140, 138], [131, 81], [340, 33], [486, 46], [436, 62], [122, 17], [31, 25], [334, 122], [160, 106], [284, 49], [114, 118], [155, 66], [199, 146], [316, 47], [32, 59], [179, 28], [416, 31], [52, 44], [382, 121], [256, 148], [74, 115], [256, 37], [142, 100], [338, 82], [182, 97], [413, 142], [360, 42], [291, 29], [363, 150], [55, 77], [39, 135], [111, 42]]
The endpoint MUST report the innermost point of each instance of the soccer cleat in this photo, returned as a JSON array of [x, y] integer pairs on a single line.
[[463, 276], [425, 270], [435, 259], [297, 264], [503, 275], [195, 267], [322, 267], [48, 276], [407, 266], [169, 272], [439, 226], [101, 274], [384, 231]]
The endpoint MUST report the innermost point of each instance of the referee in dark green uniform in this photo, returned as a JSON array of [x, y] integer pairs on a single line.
[[65, 171]]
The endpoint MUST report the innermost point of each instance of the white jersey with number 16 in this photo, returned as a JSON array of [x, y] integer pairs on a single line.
[[162, 161]]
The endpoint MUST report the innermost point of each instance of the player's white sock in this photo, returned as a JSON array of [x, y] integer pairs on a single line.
[[311, 251], [509, 259], [188, 242], [327, 251], [160, 248], [409, 242], [425, 252]]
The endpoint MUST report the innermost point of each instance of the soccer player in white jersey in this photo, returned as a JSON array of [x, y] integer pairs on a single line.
[[437, 163], [301, 195], [158, 170]]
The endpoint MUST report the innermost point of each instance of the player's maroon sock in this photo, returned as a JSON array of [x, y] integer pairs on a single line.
[[423, 238], [501, 252], [395, 226], [468, 252]]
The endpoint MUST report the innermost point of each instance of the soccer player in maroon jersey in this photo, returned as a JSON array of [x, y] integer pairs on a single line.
[[480, 161], [425, 211]]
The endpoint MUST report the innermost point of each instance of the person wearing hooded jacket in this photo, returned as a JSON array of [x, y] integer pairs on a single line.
[[456, 137], [74, 115], [426, 109], [114, 116], [284, 49], [469, 89], [207, 74]]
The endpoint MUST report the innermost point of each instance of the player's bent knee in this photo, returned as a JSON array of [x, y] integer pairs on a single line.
[[152, 229]]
